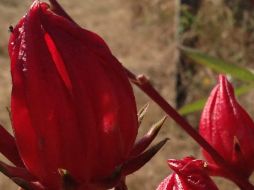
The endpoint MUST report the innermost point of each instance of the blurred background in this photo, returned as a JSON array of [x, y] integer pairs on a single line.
[[145, 35]]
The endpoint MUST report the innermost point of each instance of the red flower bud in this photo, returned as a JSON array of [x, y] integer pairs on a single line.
[[189, 174], [73, 108], [228, 128]]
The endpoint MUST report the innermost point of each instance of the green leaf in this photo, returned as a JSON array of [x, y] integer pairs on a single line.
[[218, 64], [199, 104], [192, 107]]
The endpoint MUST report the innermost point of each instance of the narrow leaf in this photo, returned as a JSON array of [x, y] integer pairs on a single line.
[[218, 64]]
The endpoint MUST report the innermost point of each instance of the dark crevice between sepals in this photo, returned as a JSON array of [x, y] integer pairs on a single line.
[[237, 153], [110, 181], [239, 159], [237, 147], [68, 182]]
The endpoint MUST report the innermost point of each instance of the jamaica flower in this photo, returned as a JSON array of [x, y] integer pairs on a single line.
[[189, 174], [228, 128], [73, 110]]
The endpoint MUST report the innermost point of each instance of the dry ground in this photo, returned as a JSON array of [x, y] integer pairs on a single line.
[[140, 47]]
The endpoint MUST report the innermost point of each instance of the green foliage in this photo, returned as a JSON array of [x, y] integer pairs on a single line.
[[219, 66]]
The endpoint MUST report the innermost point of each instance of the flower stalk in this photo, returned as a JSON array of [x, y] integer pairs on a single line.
[[144, 84]]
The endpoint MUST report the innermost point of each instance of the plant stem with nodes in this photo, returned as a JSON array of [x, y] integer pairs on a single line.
[[144, 84]]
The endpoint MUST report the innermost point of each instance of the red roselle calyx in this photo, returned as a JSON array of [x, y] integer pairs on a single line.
[[73, 109], [189, 174], [228, 128]]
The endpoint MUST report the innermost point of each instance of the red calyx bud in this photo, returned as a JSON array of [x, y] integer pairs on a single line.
[[72, 105], [228, 128]]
